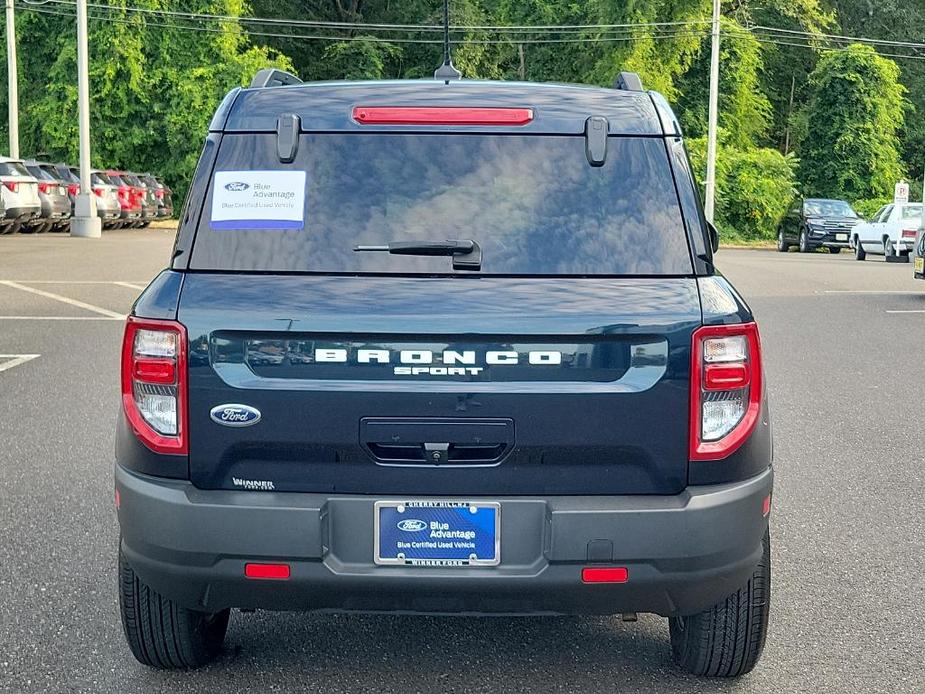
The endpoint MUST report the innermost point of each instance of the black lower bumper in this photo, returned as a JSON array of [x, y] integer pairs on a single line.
[[683, 553]]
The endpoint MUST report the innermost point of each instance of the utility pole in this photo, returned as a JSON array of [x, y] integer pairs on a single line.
[[12, 78], [710, 201], [522, 70], [85, 222]]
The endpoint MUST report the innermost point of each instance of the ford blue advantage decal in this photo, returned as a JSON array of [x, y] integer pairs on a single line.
[[249, 200]]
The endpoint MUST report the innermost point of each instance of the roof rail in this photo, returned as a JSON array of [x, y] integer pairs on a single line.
[[271, 77], [628, 82]]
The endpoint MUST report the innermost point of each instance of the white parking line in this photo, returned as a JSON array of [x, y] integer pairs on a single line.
[[142, 283], [871, 291], [908, 311], [15, 360], [130, 285], [62, 299], [62, 318]]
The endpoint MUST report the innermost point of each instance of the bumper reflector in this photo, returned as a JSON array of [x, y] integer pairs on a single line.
[[604, 574], [278, 572], [766, 506]]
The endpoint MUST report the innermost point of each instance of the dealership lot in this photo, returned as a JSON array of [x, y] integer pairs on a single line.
[[843, 345]]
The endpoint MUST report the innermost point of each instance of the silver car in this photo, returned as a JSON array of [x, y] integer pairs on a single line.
[[107, 198], [56, 206], [20, 191]]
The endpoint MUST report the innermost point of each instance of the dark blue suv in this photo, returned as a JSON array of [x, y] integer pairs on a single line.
[[444, 347]]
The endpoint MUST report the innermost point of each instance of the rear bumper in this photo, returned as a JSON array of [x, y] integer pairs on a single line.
[[22, 212], [683, 553]]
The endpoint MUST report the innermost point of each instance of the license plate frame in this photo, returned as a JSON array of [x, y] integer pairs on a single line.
[[444, 511], [841, 237]]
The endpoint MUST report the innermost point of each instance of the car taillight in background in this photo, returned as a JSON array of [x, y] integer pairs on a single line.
[[98, 191], [159, 194], [725, 389], [12, 186], [45, 187], [73, 188], [909, 233], [154, 383]]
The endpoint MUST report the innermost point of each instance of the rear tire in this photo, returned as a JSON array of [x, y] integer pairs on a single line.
[[160, 633], [782, 244], [859, 252], [834, 250], [727, 639], [888, 251]]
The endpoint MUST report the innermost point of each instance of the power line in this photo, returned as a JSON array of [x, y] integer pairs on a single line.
[[556, 28]]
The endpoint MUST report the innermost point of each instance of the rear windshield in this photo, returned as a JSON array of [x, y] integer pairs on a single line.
[[13, 168], [533, 204], [99, 178], [912, 211], [829, 208], [40, 173]]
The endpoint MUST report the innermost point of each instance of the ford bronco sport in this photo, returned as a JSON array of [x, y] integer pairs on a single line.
[[449, 347]]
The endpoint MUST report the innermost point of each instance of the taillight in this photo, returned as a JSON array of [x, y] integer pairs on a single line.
[[154, 383], [12, 186], [909, 233], [43, 187], [98, 191], [725, 389], [158, 194], [73, 188]]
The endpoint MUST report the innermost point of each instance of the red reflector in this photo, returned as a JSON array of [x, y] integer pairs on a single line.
[[610, 574], [441, 115], [279, 572], [766, 506], [155, 370], [725, 376], [118, 500]]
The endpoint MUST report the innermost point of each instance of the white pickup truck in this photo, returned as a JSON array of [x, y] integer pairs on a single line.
[[889, 232]]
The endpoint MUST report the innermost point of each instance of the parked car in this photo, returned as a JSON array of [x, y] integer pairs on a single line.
[[130, 206], [511, 405], [56, 206], [106, 210], [162, 194], [146, 197], [891, 231], [20, 193], [918, 257], [815, 222]]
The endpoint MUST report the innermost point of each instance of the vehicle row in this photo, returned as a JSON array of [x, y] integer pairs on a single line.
[[39, 196], [814, 223]]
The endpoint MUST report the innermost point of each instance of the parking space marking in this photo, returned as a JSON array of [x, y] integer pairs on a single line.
[[143, 283], [62, 299], [871, 291], [15, 360], [916, 310], [130, 285], [62, 318]]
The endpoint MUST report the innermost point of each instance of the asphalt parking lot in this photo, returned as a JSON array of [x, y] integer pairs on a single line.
[[843, 344]]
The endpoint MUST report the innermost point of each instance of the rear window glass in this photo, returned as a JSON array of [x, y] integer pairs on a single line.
[[912, 211], [99, 178], [40, 173], [533, 204], [13, 168]]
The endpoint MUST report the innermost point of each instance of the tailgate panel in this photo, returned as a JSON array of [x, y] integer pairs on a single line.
[[588, 379]]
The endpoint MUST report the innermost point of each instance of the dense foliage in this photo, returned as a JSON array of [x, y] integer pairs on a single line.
[[795, 114]]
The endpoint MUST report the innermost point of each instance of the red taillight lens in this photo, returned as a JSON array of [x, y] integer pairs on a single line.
[[154, 383], [12, 186], [43, 187], [441, 115], [909, 233], [159, 194], [279, 572], [98, 191], [73, 188], [726, 389]]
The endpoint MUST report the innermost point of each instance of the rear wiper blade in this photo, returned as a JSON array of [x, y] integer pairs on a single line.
[[466, 253]]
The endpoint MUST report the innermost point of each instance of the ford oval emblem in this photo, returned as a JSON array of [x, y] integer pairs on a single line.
[[236, 186], [411, 525], [235, 415]]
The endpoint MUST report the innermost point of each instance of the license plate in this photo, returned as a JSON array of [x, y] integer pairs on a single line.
[[920, 264], [437, 533], [841, 237]]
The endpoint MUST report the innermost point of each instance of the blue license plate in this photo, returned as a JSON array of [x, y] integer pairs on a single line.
[[438, 533]]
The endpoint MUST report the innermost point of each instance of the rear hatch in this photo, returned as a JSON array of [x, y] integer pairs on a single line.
[[22, 185], [561, 366]]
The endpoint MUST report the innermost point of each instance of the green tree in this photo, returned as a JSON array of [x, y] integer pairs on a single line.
[[851, 148]]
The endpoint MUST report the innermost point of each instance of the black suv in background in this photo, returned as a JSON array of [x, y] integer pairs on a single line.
[[443, 347], [815, 222]]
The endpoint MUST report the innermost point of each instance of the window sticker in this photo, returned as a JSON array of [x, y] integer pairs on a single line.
[[258, 200]]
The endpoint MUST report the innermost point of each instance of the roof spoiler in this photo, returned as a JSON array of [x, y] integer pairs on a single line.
[[628, 82], [271, 77]]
